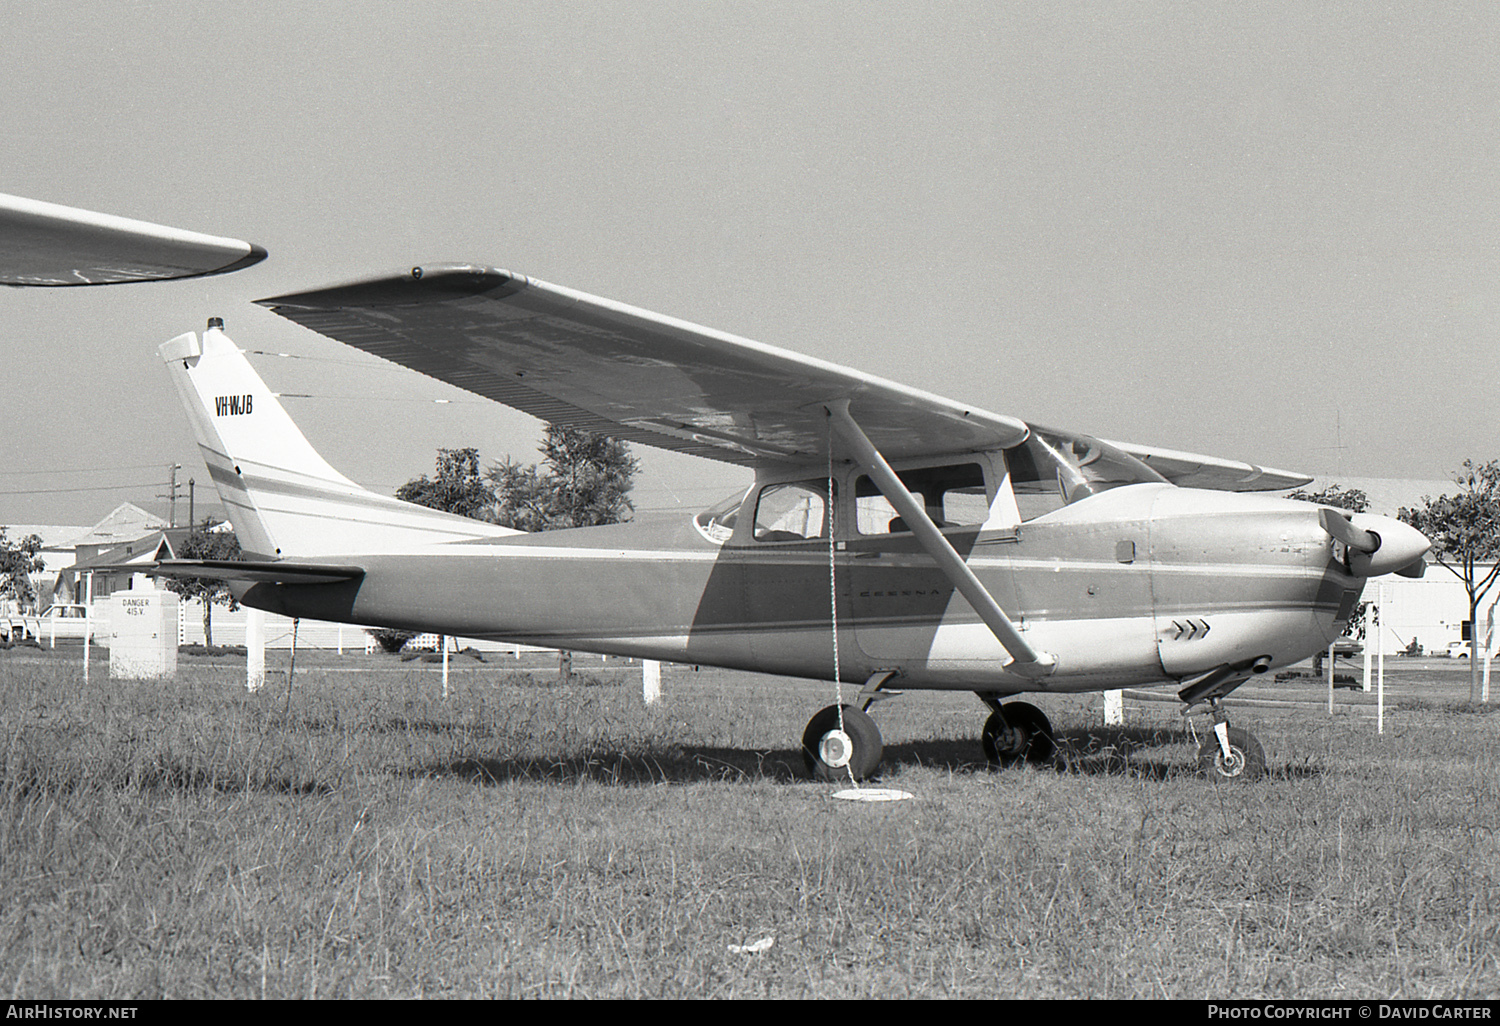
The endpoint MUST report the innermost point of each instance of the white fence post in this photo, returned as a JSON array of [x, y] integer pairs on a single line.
[[651, 681], [255, 649], [1114, 708]]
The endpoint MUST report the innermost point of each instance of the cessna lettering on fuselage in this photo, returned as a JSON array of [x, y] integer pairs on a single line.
[[232, 405], [890, 537]]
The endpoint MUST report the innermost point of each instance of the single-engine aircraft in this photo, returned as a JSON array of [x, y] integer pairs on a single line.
[[891, 538]]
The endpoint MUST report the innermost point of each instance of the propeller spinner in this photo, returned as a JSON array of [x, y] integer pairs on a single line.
[[1378, 545]]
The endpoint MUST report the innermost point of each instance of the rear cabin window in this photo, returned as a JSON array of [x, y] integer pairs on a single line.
[[953, 496]]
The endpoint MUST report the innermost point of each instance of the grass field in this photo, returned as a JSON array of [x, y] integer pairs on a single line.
[[364, 837]]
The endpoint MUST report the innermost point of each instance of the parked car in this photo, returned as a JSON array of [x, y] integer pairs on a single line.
[[1460, 649], [65, 622]]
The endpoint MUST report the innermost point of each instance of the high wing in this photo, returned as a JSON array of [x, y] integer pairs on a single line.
[[1190, 470], [582, 361], [45, 244]]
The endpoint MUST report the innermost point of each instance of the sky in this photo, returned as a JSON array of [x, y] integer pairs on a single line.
[[1266, 231]]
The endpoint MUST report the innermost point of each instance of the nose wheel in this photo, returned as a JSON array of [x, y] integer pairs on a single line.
[[1231, 754]]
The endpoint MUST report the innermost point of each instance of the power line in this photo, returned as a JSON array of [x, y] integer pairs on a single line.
[[314, 359], [82, 470], [97, 488]]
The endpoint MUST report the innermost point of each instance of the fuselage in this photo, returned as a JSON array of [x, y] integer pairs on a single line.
[[1133, 585], [1087, 567]]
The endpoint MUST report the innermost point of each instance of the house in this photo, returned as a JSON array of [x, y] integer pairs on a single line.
[[127, 535]]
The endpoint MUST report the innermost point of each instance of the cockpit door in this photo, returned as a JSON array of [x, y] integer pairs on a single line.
[[905, 610]]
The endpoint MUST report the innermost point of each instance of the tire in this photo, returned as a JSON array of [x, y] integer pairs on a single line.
[[1036, 745], [863, 734], [1246, 762]]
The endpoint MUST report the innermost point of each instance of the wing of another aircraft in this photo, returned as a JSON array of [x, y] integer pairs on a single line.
[[45, 244], [578, 360]]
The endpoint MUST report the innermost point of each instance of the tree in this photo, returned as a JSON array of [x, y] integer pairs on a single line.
[[18, 561], [523, 498], [204, 543], [1465, 533], [584, 481], [458, 488], [1352, 499]]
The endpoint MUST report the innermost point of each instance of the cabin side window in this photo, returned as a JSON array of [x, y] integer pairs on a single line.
[[795, 511], [953, 496]]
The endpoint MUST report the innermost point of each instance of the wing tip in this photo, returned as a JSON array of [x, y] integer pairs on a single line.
[[423, 283], [255, 255]]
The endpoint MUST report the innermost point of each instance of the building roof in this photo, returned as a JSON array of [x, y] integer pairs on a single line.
[[127, 522], [155, 545]]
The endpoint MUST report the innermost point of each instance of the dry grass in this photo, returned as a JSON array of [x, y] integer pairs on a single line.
[[522, 838]]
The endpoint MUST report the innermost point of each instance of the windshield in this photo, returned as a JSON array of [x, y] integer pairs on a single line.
[[717, 522], [1052, 469]]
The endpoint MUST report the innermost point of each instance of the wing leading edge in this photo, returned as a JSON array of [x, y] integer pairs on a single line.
[[579, 360], [1190, 470]]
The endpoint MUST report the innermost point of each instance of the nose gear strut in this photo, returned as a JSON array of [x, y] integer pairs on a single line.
[[1231, 753]]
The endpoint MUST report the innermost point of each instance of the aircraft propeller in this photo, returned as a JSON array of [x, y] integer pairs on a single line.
[[1378, 545]]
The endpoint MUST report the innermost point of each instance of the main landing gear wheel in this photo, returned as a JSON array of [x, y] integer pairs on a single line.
[[832, 754], [1246, 759], [1018, 732]]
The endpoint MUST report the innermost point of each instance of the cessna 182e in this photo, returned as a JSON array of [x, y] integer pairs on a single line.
[[891, 538]]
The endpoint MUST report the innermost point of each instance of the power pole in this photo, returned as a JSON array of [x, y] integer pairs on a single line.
[[171, 495]]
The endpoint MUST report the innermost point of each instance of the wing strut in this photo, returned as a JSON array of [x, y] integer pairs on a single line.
[[1025, 660]]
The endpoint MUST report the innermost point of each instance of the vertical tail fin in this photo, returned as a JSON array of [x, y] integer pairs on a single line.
[[282, 497]]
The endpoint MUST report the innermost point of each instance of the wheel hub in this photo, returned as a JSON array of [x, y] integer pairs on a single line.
[[836, 749], [1233, 764]]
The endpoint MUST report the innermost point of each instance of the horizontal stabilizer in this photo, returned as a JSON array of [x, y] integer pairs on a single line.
[[269, 572]]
